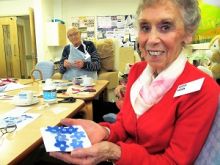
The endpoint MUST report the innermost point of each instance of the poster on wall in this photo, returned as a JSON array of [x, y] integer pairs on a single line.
[[119, 26], [209, 25], [86, 25]]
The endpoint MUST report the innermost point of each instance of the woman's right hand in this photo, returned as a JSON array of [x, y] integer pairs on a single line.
[[95, 132]]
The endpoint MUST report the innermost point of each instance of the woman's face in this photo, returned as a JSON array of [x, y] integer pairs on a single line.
[[161, 35]]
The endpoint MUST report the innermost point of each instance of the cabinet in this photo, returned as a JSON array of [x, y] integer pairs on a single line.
[[56, 34]]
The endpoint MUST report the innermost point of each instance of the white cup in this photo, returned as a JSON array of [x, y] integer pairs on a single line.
[[87, 81], [25, 97]]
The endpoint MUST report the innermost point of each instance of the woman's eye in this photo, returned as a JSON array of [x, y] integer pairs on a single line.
[[165, 27], [144, 27]]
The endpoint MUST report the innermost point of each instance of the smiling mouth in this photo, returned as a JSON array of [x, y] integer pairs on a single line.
[[155, 53]]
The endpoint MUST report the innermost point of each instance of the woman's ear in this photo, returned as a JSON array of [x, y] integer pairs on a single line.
[[187, 39]]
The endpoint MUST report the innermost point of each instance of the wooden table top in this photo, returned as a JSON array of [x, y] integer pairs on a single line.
[[26, 81], [99, 86], [15, 146], [37, 88]]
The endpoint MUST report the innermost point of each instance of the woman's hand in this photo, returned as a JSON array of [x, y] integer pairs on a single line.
[[95, 154], [120, 91], [95, 132]]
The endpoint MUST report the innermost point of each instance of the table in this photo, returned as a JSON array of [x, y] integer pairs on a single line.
[[17, 84], [15, 146], [26, 81], [100, 86]]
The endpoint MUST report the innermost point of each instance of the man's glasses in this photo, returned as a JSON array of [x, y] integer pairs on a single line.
[[8, 129]]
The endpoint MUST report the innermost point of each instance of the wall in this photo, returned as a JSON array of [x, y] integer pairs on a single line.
[[97, 8], [15, 7], [72, 8], [44, 10]]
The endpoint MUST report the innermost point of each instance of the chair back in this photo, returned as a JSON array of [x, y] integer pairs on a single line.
[[43, 70], [210, 154]]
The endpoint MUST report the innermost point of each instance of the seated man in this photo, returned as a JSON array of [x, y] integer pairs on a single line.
[[79, 57]]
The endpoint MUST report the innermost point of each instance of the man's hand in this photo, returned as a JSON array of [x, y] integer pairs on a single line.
[[67, 64], [78, 64]]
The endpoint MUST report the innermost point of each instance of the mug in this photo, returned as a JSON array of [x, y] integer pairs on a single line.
[[25, 97], [87, 81], [77, 80]]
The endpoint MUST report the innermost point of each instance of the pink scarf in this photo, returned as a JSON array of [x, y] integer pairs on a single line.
[[147, 91]]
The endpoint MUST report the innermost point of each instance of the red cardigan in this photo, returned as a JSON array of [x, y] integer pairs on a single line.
[[172, 131]]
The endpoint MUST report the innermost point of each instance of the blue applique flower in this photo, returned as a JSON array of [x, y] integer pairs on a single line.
[[26, 116], [72, 129], [78, 135], [68, 130], [61, 145], [61, 137], [76, 143], [66, 137], [11, 120], [54, 129], [18, 119]]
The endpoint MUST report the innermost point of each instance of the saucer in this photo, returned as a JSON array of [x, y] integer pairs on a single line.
[[19, 103], [87, 85]]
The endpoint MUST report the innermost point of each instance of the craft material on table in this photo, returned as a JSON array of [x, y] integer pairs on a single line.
[[20, 120]]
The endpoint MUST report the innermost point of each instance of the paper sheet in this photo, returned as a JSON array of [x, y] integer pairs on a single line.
[[13, 86], [21, 120], [65, 139]]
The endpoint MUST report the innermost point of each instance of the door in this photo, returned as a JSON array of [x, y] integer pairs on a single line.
[[33, 38], [9, 51], [22, 53]]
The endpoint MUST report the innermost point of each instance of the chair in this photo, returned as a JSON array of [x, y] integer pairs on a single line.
[[108, 50], [43, 70], [210, 154]]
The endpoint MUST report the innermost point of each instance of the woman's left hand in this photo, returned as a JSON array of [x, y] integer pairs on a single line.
[[95, 154]]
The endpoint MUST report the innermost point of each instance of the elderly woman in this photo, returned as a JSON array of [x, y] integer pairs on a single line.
[[169, 104], [79, 57]]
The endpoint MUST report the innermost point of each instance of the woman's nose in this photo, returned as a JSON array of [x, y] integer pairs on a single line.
[[153, 36]]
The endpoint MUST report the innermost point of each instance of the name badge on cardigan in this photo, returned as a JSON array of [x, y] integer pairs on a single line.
[[189, 87]]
